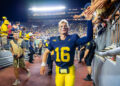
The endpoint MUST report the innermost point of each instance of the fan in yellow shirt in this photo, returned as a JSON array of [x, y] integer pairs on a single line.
[[4, 33], [26, 38]]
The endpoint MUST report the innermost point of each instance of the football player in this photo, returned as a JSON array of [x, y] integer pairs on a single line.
[[64, 49]]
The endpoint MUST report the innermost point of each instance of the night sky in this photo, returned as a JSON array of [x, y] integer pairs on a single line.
[[17, 10]]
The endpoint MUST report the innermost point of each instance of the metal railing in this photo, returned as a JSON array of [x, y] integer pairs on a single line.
[[111, 34]]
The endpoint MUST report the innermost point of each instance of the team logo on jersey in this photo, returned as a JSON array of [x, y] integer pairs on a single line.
[[69, 39], [88, 43], [54, 40]]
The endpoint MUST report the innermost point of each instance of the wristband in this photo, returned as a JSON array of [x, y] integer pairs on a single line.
[[43, 64]]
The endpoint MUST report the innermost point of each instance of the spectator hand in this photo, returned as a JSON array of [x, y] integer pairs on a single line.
[[76, 16], [83, 60], [18, 56], [100, 6], [90, 11], [88, 17], [12, 54]]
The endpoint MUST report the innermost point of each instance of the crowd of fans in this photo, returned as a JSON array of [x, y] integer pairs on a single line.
[[106, 23], [106, 30], [40, 32]]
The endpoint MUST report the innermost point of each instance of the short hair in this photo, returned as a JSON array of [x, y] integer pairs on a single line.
[[64, 21]]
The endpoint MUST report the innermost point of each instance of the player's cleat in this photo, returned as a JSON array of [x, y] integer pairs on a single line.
[[16, 82], [50, 72], [88, 78]]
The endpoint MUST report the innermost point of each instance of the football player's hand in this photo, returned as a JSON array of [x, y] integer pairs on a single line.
[[42, 70]]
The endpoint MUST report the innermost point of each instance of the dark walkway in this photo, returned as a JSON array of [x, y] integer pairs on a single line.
[[7, 76]]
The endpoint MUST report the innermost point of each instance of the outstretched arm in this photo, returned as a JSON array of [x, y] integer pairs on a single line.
[[85, 39], [99, 4]]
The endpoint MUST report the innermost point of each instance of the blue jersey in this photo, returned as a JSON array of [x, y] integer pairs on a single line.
[[64, 50]]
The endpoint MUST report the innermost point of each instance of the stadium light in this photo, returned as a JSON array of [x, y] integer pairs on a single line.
[[42, 9]]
